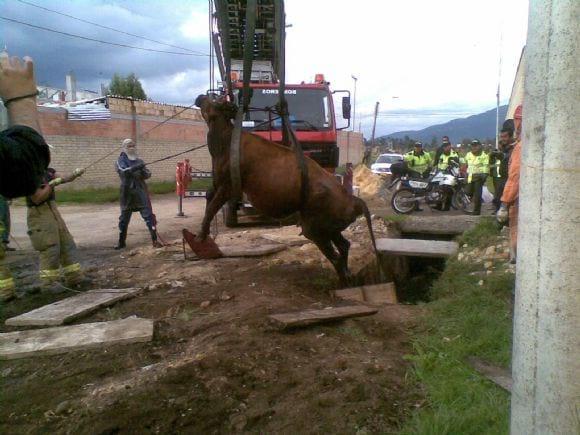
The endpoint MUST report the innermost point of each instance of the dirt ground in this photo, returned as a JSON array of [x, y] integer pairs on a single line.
[[216, 364]]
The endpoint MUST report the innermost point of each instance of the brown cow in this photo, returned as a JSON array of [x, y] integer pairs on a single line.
[[271, 179]]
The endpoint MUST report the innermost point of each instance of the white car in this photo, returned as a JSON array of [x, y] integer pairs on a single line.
[[383, 164]]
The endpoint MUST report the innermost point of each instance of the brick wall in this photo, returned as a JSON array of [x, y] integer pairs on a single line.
[[79, 143], [351, 145]]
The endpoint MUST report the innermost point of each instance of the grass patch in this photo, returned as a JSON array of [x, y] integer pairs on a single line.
[[465, 319], [395, 218], [105, 195], [484, 234]]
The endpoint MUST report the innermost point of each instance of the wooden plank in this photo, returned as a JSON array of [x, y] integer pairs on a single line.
[[61, 339], [498, 375], [309, 317], [378, 294], [448, 225], [251, 251], [417, 248], [69, 309], [289, 240]]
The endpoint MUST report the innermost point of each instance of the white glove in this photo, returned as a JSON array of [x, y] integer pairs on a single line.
[[502, 214], [55, 182], [78, 172]]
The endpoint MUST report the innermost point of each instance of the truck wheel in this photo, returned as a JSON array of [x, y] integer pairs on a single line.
[[230, 212]]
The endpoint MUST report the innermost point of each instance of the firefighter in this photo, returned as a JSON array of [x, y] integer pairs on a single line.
[[50, 236], [7, 285], [477, 170], [510, 197], [418, 160], [5, 220], [134, 194], [498, 164]]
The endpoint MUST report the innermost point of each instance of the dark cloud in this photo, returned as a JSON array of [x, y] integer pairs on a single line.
[[94, 63]]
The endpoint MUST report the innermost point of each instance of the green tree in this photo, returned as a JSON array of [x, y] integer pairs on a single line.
[[129, 86]]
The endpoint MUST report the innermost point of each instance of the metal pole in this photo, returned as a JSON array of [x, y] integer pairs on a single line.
[[354, 105], [546, 354], [374, 124]]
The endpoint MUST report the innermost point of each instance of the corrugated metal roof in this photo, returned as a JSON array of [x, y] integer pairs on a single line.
[[88, 112]]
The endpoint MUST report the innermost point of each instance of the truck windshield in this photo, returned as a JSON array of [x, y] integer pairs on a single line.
[[309, 109]]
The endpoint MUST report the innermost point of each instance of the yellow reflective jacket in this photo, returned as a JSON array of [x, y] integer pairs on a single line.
[[418, 163], [444, 159]]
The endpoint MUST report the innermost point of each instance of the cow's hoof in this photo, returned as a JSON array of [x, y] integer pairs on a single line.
[[206, 249]]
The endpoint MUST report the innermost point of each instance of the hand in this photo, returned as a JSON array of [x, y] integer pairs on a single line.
[[78, 172], [502, 214], [55, 182], [137, 167], [16, 77]]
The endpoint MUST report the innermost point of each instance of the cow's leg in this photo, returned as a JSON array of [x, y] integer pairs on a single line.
[[218, 198], [343, 245], [325, 246]]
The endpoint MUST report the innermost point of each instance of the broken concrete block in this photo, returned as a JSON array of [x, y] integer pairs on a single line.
[[62, 339], [417, 248], [378, 294], [69, 309]]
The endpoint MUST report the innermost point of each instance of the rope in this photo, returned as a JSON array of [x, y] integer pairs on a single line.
[[175, 155]]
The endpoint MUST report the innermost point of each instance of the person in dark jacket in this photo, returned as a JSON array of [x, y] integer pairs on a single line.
[[499, 164], [24, 155], [134, 194]]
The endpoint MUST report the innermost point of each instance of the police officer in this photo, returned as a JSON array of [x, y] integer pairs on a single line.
[[443, 161], [50, 236], [418, 161], [498, 164], [477, 170]]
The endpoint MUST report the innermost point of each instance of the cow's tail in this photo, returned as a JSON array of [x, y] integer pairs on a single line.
[[367, 214]]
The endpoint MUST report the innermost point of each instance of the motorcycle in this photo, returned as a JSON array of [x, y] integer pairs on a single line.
[[435, 190]]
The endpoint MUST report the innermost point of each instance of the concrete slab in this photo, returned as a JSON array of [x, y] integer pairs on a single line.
[[62, 339], [498, 375], [288, 240], [69, 309], [251, 251], [378, 294], [437, 225], [417, 248], [309, 317]]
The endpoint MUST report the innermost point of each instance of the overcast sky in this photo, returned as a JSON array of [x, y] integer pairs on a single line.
[[436, 57]]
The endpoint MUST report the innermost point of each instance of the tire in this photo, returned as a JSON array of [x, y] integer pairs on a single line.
[[230, 213], [460, 200], [402, 203]]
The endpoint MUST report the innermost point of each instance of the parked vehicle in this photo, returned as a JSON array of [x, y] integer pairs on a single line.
[[433, 190], [383, 164]]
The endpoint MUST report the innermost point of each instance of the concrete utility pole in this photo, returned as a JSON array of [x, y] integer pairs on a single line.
[[546, 359], [374, 124]]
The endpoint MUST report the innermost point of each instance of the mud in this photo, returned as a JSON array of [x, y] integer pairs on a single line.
[[216, 365]]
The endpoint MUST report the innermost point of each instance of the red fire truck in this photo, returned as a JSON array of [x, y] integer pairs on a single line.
[[310, 105]]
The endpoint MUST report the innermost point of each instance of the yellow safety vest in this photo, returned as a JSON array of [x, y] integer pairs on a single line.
[[477, 164], [418, 163], [444, 159]]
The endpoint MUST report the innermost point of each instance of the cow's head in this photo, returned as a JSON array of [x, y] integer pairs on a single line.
[[214, 109]]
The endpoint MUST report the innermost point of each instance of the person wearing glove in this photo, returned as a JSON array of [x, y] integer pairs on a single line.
[[50, 236], [24, 154], [510, 195], [134, 193]]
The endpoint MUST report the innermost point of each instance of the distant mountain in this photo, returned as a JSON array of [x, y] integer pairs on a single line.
[[480, 126]]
